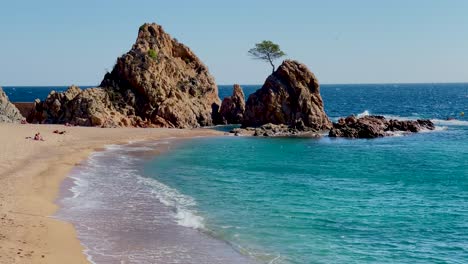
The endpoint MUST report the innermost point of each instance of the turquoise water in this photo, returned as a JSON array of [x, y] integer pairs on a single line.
[[401, 199], [283, 200], [393, 200]]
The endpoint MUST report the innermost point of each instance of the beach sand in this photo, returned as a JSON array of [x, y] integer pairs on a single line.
[[30, 176]]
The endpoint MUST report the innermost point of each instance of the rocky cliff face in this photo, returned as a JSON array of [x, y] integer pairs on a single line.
[[162, 81], [290, 96], [158, 83], [8, 111], [376, 126], [233, 107], [89, 107]]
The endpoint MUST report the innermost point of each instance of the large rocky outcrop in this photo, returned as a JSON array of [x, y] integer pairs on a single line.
[[163, 81], [89, 107], [159, 82], [233, 107], [290, 96], [8, 111], [376, 126]]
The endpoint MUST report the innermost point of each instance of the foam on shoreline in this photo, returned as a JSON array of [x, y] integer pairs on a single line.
[[120, 215]]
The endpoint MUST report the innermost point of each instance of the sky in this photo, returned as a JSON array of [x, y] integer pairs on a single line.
[[64, 42]]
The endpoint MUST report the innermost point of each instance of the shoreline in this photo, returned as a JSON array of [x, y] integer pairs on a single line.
[[31, 173], [157, 217]]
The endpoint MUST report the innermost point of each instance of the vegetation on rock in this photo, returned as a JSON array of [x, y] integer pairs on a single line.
[[267, 51]]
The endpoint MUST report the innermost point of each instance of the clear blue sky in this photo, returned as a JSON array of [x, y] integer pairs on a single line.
[[61, 42]]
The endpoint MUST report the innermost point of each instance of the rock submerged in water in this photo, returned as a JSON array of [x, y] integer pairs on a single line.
[[8, 111], [290, 97], [376, 126], [158, 83], [272, 130]]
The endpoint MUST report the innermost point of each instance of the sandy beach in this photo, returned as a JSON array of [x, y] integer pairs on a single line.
[[30, 176]]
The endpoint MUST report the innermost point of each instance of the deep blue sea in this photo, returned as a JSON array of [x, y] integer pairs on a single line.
[[401, 199]]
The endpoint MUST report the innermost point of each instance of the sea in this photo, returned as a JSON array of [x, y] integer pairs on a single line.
[[400, 199]]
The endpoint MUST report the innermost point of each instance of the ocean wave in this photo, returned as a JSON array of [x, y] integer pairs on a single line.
[[183, 204], [453, 122], [363, 114], [396, 133], [396, 117]]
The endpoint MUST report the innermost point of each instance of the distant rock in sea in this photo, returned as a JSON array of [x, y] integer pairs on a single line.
[[158, 83], [8, 111], [233, 107], [376, 126], [291, 97]]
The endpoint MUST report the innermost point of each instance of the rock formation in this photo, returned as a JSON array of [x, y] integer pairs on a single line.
[[159, 82], [8, 111], [163, 81], [376, 126], [290, 96], [233, 107], [89, 107], [272, 130]]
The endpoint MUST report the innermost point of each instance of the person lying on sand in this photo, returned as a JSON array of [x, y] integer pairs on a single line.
[[38, 136], [60, 132]]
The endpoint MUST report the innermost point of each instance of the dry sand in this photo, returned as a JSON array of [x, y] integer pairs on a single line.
[[30, 176]]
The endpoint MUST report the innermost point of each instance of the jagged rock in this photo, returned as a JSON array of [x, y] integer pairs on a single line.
[[290, 96], [163, 81], [376, 126], [233, 107], [158, 83], [8, 111], [272, 130], [89, 107]]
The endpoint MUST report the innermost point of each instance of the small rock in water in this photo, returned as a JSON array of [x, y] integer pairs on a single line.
[[376, 126]]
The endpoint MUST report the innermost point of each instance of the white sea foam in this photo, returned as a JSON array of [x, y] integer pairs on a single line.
[[188, 219], [453, 122], [183, 204], [396, 133], [363, 114], [99, 196], [78, 185]]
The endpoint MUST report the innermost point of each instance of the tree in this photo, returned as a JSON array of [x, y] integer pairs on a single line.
[[267, 51]]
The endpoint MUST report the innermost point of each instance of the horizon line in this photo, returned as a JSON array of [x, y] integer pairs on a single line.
[[259, 84]]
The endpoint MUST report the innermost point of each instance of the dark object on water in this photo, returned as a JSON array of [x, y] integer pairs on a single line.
[[376, 126]]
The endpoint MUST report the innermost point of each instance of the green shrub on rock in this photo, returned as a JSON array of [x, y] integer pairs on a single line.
[[153, 54]]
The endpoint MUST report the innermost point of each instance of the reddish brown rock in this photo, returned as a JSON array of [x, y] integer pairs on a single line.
[[233, 107], [376, 126], [158, 83], [89, 107], [290, 96], [163, 81]]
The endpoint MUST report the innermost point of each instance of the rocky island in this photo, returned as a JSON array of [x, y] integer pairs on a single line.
[[289, 103], [158, 83], [162, 83], [376, 126]]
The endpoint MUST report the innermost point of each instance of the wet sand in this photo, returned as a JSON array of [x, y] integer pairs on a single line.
[[31, 173]]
